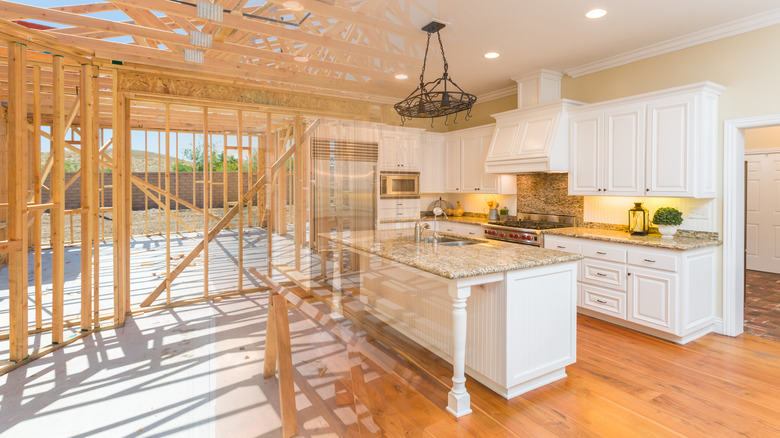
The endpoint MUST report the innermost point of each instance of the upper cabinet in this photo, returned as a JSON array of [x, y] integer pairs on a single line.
[[399, 150], [465, 152], [533, 139], [655, 144], [431, 162], [609, 153]]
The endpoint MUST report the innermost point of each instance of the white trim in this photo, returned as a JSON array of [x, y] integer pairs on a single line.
[[717, 327], [497, 94], [734, 218], [763, 151], [736, 27]]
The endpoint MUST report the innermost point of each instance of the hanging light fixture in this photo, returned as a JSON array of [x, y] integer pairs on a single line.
[[437, 98]]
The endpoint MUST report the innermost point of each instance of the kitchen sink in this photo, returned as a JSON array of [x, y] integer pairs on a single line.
[[457, 243]]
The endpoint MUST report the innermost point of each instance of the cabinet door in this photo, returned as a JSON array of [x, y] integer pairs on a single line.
[[431, 152], [388, 152], [624, 147], [409, 152], [505, 140], [489, 182], [584, 159], [651, 298], [670, 139], [471, 164], [452, 165]]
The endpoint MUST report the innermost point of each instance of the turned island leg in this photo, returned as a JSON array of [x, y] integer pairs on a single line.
[[458, 399]]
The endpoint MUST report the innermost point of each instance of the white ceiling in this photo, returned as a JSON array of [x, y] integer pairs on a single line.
[[554, 34]]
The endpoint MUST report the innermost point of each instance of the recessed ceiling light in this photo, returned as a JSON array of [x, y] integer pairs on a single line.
[[596, 13], [401, 76], [301, 59], [293, 5], [491, 55]]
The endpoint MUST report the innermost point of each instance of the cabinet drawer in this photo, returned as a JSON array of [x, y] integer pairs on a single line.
[[652, 260], [604, 301], [562, 245], [604, 274], [392, 213], [400, 204], [602, 252]]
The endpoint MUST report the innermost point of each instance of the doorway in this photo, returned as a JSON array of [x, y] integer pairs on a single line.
[[762, 232]]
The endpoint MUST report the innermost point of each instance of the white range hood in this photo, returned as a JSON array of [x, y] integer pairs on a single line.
[[534, 137]]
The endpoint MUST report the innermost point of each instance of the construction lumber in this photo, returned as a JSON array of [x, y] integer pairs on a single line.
[[87, 197], [36, 168], [284, 359], [17, 166]]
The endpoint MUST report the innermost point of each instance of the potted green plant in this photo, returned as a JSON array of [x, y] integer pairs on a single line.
[[667, 219]]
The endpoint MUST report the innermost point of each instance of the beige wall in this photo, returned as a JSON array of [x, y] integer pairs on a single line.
[[762, 138]]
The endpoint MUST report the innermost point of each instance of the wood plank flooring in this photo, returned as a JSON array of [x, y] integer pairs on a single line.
[[623, 384]]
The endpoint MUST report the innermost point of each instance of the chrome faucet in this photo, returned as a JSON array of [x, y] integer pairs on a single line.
[[437, 211], [418, 229]]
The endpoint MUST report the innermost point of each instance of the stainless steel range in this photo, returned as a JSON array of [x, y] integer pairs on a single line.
[[527, 228]]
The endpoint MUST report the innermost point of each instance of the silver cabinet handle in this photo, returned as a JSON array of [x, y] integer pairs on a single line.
[[601, 301], [600, 274], [561, 246], [601, 253], [649, 261]]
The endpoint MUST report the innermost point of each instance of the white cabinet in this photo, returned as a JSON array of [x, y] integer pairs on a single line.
[[656, 144], [399, 150], [399, 209], [465, 164], [667, 293], [461, 228], [608, 151], [432, 162]]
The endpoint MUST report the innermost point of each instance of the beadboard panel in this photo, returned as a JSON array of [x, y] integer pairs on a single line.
[[421, 308], [698, 214]]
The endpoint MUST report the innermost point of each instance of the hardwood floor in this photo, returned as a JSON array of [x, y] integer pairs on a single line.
[[623, 384], [762, 305]]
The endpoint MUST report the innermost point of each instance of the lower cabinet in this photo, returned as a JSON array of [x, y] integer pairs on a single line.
[[460, 228], [667, 293]]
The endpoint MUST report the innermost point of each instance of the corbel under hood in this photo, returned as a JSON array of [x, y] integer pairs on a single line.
[[534, 137]]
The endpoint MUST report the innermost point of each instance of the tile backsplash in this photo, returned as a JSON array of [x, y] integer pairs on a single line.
[[548, 193]]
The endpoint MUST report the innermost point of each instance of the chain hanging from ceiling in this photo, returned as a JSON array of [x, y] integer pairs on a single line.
[[437, 98]]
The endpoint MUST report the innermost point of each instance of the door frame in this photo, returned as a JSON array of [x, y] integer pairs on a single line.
[[733, 271]]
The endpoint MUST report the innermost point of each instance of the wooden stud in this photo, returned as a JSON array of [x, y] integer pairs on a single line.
[[93, 110], [168, 203], [36, 167], [240, 182], [284, 358], [270, 357], [297, 191], [269, 194], [17, 199], [119, 181], [146, 179], [206, 199], [87, 189], [128, 204]]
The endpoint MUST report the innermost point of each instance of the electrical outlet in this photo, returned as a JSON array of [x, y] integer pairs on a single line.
[[699, 213]]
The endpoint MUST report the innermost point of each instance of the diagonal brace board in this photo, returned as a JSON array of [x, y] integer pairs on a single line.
[[226, 219], [210, 236]]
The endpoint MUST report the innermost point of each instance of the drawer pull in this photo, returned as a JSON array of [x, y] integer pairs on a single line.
[[601, 253], [561, 246], [649, 261], [601, 301], [600, 274]]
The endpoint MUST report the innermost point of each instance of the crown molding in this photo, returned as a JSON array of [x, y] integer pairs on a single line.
[[736, 27], [497, 94]]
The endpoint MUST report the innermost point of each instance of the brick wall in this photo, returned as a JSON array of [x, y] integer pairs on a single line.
[[73, 194]]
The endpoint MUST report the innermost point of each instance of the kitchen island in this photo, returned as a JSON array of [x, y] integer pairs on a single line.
[[520, 301]]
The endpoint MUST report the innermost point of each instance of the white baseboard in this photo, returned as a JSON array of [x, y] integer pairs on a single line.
[[718, 327]]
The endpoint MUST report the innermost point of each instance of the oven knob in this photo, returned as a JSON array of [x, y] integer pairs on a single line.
[[527, 237], [501, 235], [515, 236]]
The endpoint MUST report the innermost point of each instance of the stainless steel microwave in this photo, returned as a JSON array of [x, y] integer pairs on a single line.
[[399, 185]]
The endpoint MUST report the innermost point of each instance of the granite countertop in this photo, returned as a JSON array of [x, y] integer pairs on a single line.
[[465, 219], [654, 240], [485, 257]]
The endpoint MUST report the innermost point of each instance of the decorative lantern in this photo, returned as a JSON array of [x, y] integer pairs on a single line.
[[638, 220]]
